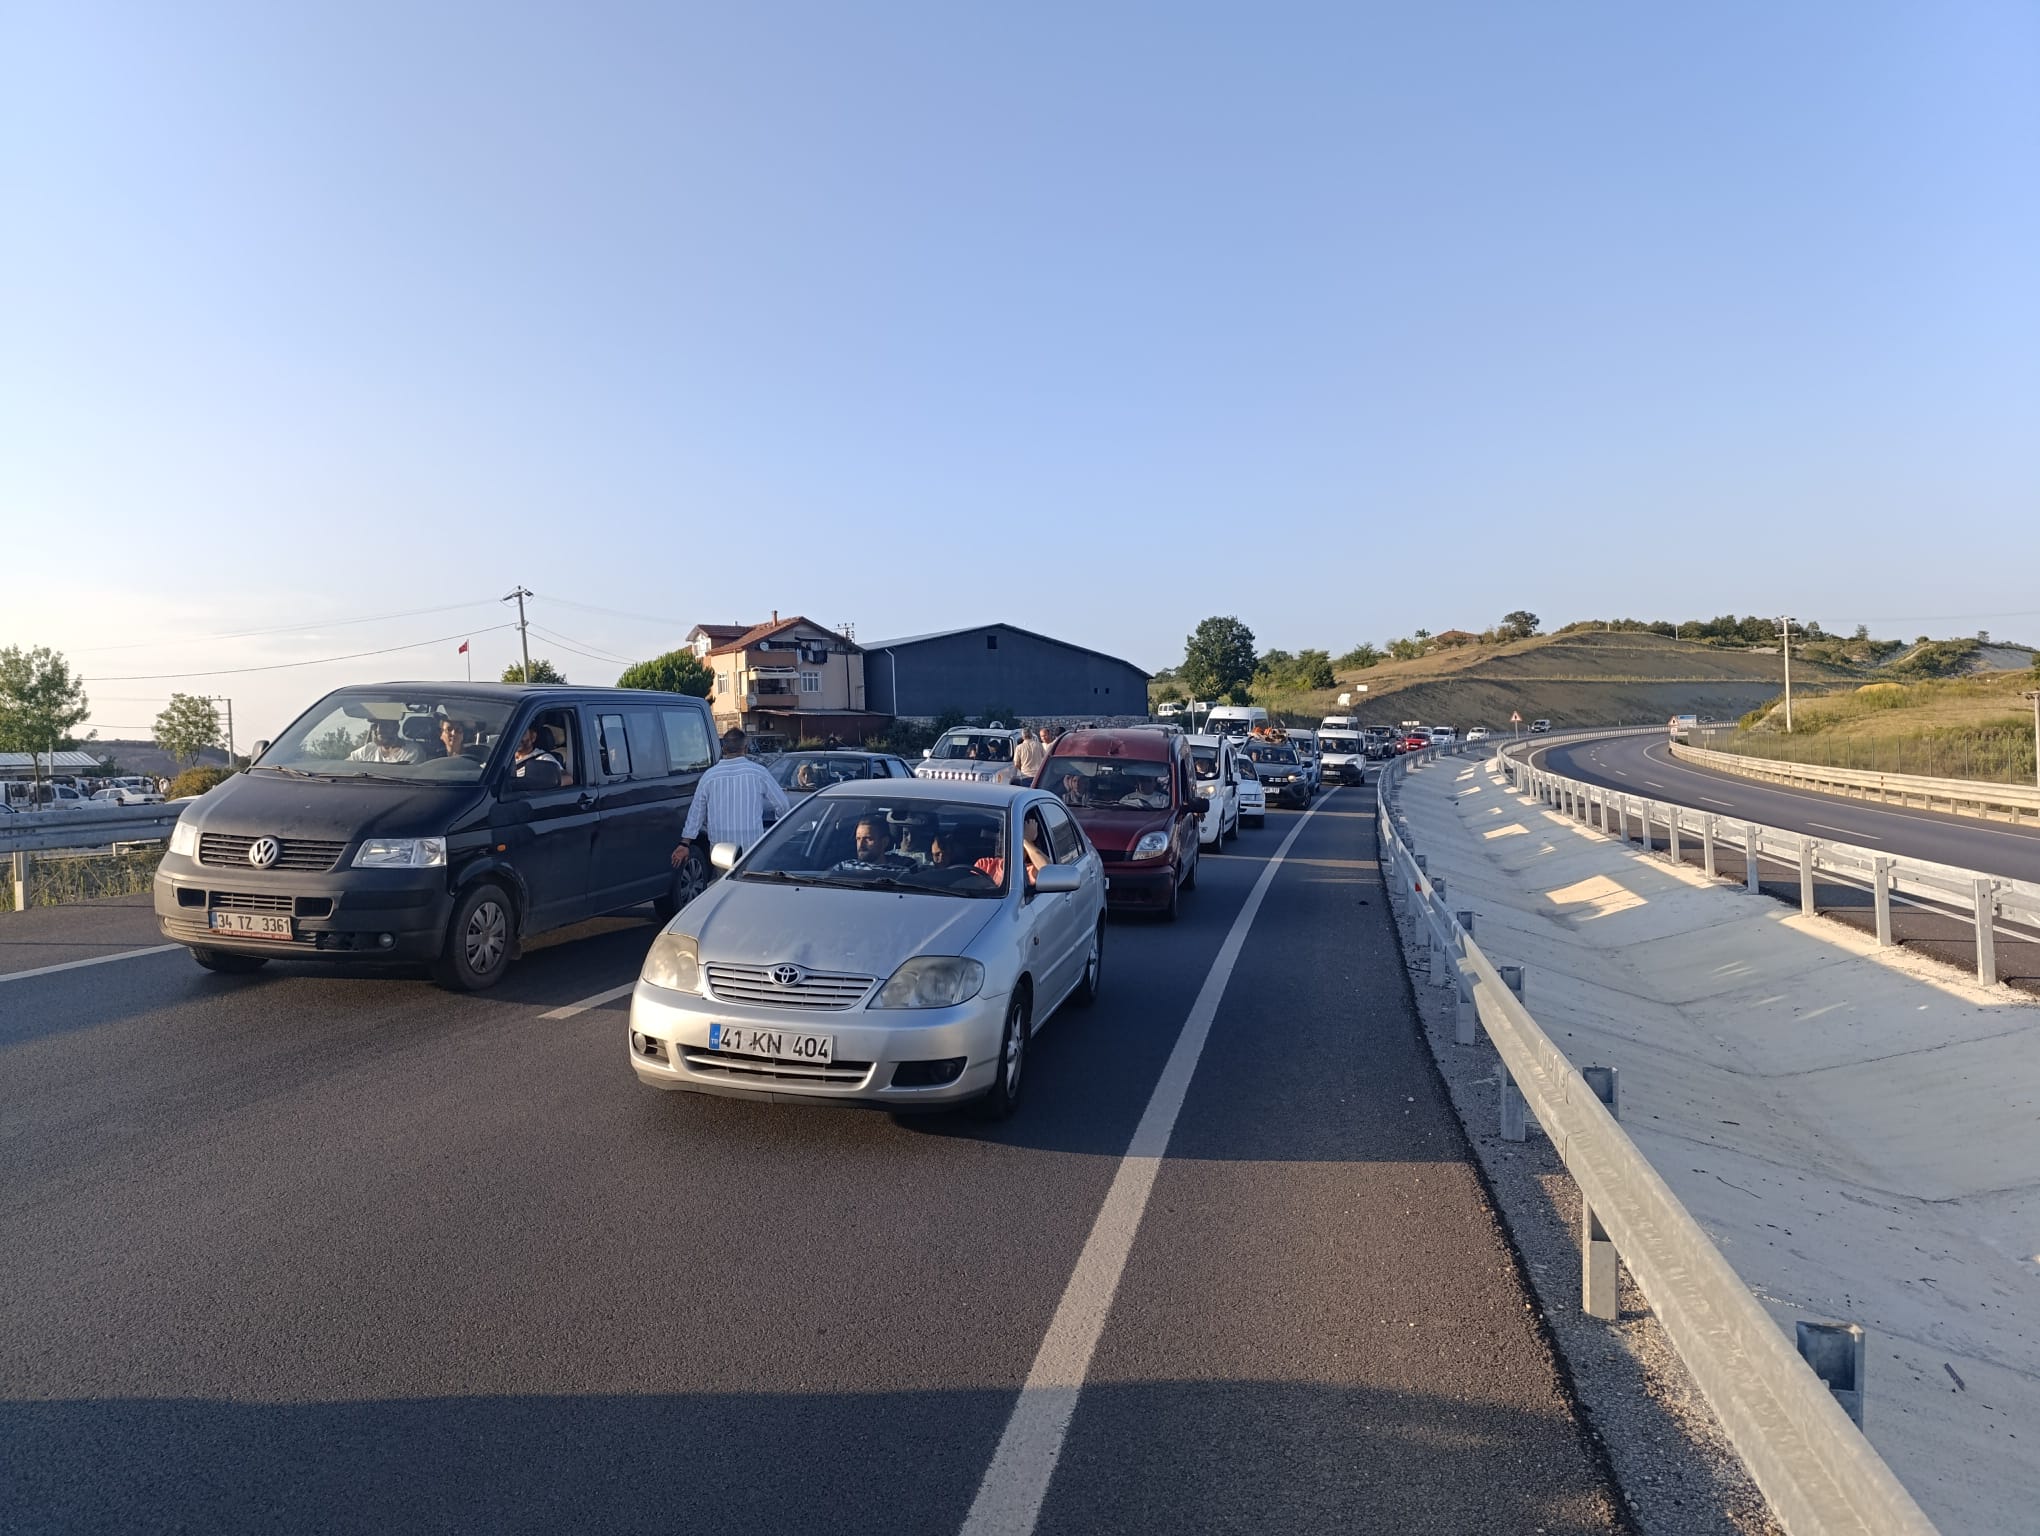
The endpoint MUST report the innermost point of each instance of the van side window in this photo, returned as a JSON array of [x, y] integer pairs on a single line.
[[614, 746], [552, 762], [687, 746]]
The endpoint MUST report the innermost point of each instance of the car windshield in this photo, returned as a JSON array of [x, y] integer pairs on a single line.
[[971, 746], [1204, 762], [1272, 754], [1099, 782], [818, 770], [428, 736], [1340, 743], [880, 842]]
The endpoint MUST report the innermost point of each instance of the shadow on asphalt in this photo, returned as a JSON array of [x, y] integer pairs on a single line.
[[895, 1462]]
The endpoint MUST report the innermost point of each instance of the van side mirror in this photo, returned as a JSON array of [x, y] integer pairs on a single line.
[[725, 855], [255, 752]]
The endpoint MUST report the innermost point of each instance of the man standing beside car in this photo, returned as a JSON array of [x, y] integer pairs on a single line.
[[1029, 757], [731, 800]]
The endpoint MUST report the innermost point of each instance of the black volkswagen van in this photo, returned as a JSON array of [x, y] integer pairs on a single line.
[[439, 822]]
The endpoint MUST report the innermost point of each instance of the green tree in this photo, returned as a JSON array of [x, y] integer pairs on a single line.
[[1313, 669], [1361, 657], [187, 726], [542, 671], [678, 671], [41, 701], [1405, 650], [196, 781], [1520, 625], [1218, 657]]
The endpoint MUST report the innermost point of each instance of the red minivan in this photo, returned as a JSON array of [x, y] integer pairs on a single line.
[[1131, 792]]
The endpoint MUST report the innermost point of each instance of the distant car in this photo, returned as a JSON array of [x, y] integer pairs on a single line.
[[971, 754], [1130, 791], [1282, 774], [1414, 741], [121, 794], [1441, 734], [1215, 774], [1168, 711], [826, 970], [1539, 727], [1344, 758], [802, 773], [1478, 733], [1253, 798], [1380, 742]]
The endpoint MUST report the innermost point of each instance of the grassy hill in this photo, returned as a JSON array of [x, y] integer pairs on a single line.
[[1584, 678], [1977, 726]]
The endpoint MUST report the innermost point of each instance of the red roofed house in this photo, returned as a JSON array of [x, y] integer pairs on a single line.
[[786, 681]]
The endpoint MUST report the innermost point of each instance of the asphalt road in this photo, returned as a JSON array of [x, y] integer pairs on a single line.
[[305, 1252], [1644, 766]]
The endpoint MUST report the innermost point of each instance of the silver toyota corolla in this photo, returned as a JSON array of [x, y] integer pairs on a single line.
[[894, 944]]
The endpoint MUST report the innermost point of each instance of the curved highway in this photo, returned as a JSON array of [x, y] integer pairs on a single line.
[[1644, 765], [298, 1251]]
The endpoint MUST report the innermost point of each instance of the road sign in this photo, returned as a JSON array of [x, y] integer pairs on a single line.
[[1515, 718]]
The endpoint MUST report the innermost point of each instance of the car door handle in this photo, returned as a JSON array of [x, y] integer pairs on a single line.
[[586, 802]]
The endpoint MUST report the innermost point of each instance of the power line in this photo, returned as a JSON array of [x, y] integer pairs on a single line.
[[284, 629], [569, 643], [613, 613], [319, 661]]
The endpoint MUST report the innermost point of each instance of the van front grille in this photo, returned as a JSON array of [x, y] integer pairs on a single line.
[[307, 855]]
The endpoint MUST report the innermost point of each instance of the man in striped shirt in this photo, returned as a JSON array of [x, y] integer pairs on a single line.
[[731, 799]]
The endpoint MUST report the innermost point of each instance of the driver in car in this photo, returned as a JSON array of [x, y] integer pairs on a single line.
[[874, 845]]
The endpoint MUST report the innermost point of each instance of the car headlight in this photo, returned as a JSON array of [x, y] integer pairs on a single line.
[[674, 963], [1152, 845], [184, 839], [932, 981], [401, 853]]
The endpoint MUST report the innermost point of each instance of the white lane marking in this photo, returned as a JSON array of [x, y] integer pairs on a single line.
[[590, 1002], [1009, 1499], [1712, 801], [1845, 831], [1618, 773], [1653, 783], [74, 965]]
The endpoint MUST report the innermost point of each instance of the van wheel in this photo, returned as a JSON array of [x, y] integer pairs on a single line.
[[1190, 879], [226, 963], [689, 881], [478, 941]]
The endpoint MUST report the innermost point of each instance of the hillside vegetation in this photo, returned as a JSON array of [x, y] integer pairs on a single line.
[[1576, 677], [1977, 727]]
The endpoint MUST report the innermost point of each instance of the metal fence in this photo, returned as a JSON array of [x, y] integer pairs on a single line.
[[1790, 1427], [111, 827], [2001, 754], [1962, 796]]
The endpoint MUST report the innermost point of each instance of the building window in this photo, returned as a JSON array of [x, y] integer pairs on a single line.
[[811, 682], [722, 682], [991, 642]]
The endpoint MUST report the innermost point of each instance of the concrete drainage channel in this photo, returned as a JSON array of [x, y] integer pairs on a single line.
[[1694, 1392]]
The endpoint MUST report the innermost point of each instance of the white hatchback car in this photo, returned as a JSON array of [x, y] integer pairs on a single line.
[[890, 944]]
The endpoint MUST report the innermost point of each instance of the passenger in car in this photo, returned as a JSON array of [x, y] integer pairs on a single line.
[[454, 738], [1072, 790], [534, 767], [993, 866], [385, 744]]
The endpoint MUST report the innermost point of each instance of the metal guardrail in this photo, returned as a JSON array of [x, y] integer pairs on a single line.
[[1961, 797], [1983, 899], [1807, 1455], [102, 826]]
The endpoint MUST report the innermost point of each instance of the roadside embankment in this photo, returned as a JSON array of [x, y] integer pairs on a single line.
[[1855, 1129]]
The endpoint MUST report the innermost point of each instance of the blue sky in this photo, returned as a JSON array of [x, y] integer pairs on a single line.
[[1345, 319]]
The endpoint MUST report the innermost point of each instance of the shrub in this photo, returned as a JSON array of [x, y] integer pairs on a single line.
[[196, 781]]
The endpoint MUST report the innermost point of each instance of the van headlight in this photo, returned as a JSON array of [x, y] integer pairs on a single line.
[[1152, 845], [931, 981], [674, 963], [401, 853], [184, 839]]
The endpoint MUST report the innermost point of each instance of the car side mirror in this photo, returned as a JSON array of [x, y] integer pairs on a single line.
[[927, 751], [725, 855], [1057, 880], [255, 752]]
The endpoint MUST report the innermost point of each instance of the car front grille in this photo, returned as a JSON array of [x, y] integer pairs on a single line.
[[762, 1069], [243, 901], [299, 853], [815, 989]]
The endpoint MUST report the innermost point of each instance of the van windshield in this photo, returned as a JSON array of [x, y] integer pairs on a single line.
[[1125, 783], [370, 734]]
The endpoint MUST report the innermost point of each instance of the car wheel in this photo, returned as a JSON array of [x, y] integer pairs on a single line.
[[1169, 913], [1094, 968], [226, 963], [689, 881], [478, 940], [1012, 1065]]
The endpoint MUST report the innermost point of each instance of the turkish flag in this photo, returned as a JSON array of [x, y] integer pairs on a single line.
[[463, 649]]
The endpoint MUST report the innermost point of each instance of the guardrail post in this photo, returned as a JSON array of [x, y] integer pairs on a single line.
[[1600, 1296], [1750, 857], [1836, 1353], [1467, 1015], [1607, 1085], [1986, 932], [20, 863], [1880, 885], [1515, 1113], [1622, 817], [1672, 833], [1707, 843], [1807, 846]]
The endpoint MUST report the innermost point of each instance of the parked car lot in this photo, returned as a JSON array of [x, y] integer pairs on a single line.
[[829, 966]]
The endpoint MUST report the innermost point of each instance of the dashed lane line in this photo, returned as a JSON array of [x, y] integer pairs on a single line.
[[1010, 1497], [74, 965], [1846, 831], [590, 1002]]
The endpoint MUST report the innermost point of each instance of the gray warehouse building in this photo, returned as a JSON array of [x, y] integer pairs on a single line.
[[970, 670]]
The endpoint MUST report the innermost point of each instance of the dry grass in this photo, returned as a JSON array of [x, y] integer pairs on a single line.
[[1959, 728], [58, 879]]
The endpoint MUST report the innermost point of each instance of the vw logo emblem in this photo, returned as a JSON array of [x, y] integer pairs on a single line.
[[263, 851], [786, 975]]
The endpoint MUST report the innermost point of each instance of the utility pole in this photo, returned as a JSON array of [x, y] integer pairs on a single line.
[[220, 698], [523, 633], [1785, 628]]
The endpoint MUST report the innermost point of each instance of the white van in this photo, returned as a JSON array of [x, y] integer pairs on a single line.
[[1343, 757], [1345, 725], [1235, 719]]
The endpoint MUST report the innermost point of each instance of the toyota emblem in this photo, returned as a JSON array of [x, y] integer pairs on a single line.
[[786, 975], [263, 851]]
